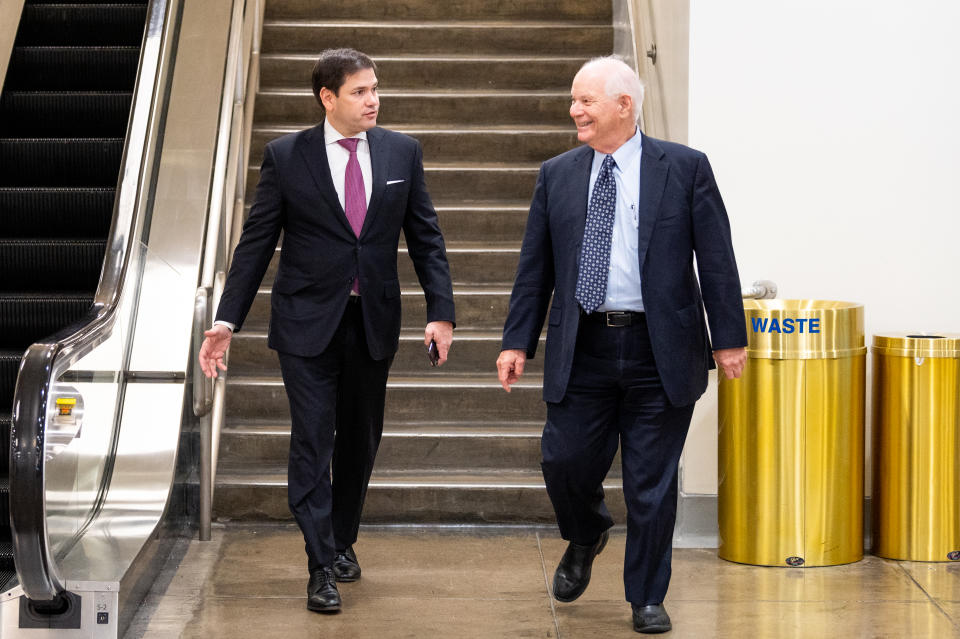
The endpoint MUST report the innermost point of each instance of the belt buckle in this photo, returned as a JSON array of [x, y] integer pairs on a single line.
[[612, 316]]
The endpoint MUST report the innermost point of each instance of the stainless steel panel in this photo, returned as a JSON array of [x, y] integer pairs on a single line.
[[183, 191]]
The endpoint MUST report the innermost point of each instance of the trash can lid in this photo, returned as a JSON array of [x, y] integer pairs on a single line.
[[919, 344], [804, 329]]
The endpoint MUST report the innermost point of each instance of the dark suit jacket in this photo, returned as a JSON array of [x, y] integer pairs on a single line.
[[681, 213], [322, 255]]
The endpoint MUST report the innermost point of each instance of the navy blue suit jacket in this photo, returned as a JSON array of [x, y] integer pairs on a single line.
[[321, 255], [681, 214]]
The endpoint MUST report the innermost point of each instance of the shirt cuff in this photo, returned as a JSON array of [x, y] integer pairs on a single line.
[[229, 325]]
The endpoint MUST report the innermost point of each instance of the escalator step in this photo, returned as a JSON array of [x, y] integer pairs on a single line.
[[82, 24], [48, 2], [6, 557], [53, 212], [73, 68], [5, 530], [50, 264], [41, 114], [9, 365], [4, 446], [60, 161], [29, 317]]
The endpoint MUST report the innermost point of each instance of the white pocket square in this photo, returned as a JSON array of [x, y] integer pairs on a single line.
[[389, 182]]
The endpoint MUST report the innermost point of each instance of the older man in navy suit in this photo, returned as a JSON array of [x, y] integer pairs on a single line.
[[611, 236], [340, 192]]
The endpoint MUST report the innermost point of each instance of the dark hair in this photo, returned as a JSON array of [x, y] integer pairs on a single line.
[[333, 67]]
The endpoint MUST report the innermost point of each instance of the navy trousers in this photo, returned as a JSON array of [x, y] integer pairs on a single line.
[[615, 397], [336, 410]]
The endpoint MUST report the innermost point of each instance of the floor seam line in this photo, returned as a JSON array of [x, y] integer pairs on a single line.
[[546, 584], [956, 626]]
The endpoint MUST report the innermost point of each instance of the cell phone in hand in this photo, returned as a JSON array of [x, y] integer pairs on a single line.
[[433, 354]]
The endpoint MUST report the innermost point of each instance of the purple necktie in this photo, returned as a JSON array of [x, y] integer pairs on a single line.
[[354, 194]]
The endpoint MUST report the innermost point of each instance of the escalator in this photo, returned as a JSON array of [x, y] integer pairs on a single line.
[[116, 208], [63, 117]]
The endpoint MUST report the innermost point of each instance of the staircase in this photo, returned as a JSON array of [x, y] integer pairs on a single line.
[[484, 86], [63, 118]]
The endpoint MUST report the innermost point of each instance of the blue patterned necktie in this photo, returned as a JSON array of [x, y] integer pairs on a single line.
[[597, 234]]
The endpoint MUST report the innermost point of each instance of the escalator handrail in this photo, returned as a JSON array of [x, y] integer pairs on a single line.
[[47, 359]]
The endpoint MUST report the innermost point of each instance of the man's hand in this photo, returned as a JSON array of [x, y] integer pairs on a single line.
[[510, 367], [442, 334], [213, 349], [731, 361]]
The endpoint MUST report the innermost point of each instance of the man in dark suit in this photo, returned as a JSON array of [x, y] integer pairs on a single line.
[[340, 192], [611, 235]]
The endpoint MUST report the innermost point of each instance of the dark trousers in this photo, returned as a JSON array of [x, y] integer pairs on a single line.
[[615, 396], [336, 408]]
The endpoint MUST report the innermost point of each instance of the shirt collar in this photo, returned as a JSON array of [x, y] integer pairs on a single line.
[[629, 150], [331, 135], [626, 154]]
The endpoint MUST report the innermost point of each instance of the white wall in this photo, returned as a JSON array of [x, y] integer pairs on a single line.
[[834, 130]]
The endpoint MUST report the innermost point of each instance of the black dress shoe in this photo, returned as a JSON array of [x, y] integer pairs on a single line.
[[322, 593], [573, 573], [345, 565], [651, 620]]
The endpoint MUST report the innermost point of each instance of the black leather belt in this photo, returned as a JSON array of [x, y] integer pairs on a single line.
[[614, 319]]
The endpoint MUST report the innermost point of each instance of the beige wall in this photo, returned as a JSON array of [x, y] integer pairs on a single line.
[[832, 131], [9, 21], [671, 28], [638, 26]]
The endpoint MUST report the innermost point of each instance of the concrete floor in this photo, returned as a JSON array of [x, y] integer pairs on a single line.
[[250, 581]]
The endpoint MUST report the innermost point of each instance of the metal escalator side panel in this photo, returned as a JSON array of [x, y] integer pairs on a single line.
[[58, 485]]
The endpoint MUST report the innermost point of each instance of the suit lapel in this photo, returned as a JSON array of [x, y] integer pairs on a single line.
[[579, 193], [653, 179], [379, 150], [314, 151]]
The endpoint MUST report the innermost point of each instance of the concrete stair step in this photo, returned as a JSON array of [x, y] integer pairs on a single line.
[[470, 263], [473, 352], [474, 181], [411, 497], [448, 108], [422, 10], [478, 306], [495, 221], [439, 396], [418, 72], [433, 446], [433, 37], [497, 144]]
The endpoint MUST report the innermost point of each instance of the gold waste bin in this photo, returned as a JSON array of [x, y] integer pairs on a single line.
[[916, 447], [791, 437]]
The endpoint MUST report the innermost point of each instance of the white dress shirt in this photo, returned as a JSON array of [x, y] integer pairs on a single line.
[[337, 158], [623, 282]]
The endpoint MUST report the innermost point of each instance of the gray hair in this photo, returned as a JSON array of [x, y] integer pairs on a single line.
[[621, 79]]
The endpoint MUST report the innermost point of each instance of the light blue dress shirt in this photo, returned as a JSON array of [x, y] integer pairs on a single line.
[[623, 282]]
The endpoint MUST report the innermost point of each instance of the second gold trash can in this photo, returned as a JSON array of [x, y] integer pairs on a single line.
[[916, 447], [791, 437]]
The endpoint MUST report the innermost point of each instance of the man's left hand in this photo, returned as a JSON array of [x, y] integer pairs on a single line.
[[731, 361], [442, 334]]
